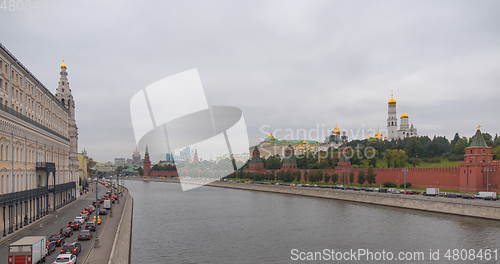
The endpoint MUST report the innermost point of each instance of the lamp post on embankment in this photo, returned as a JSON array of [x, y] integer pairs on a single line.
[[488, 170], [405, 173]]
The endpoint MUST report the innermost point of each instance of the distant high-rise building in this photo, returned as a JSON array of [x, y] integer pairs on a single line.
[[185, 154], [120, 162], [136, 158], [169, 157]]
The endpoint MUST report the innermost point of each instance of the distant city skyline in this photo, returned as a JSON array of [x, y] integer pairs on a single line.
[[286, 64]]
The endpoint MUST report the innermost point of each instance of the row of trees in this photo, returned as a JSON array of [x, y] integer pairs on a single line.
[[399, 153], [315, 176], [163, 167]]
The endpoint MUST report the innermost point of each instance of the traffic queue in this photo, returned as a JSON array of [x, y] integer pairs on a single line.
[[67, 242]]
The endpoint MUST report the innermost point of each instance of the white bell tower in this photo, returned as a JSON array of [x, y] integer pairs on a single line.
[[392, 119]]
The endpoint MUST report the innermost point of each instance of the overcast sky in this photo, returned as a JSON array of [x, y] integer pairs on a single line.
[[286, 64]]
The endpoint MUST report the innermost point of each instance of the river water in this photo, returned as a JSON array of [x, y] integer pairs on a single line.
[[217, 225]]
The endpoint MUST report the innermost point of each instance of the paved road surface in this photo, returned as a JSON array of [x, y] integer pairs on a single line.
[[52, 226]]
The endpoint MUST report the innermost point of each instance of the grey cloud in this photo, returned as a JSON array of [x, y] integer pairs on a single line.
[[285, 63]]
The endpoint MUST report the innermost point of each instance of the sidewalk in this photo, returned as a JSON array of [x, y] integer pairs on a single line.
[[44, 219], [107, 233]]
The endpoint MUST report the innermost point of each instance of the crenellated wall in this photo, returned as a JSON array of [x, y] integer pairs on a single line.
[[443, 178]]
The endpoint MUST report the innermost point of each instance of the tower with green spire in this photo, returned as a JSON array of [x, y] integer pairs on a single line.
[[147, 163], [256, 163], [473, 173]]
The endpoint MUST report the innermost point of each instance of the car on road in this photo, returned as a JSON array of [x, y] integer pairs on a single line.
[[90, 226], [90, 209], [103, 212], [51, 247], [57, 238], [99, 219], [84, 235], [74, 225], [67, 231], [80, 219], [65, 259], [467, 196], [71, 248]]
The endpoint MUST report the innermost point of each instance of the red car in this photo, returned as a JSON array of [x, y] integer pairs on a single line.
[[67, 231], [75, 225], [71, 248], [84, 235]]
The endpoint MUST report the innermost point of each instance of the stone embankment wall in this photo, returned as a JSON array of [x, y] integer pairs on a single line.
[[122, 245], [473, 208]]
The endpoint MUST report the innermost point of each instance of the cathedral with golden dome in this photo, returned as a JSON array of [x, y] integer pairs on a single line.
[[405, 128]]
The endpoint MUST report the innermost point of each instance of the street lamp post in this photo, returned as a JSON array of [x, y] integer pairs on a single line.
[[488, 171], [405, 172], [96, 201]]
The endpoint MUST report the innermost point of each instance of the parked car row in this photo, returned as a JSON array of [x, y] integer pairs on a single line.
[[427, 192]]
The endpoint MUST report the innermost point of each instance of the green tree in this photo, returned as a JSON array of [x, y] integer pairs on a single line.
[[140, 170], [488, 139], [496, 152], [361, 177], [396, 158], [439, 146], [335, 178], [496, 141], [297, 176], [90, 166], [351, 177], [326, 178], [273, 162], [455, 139], [389, 184], [316, 176], [460, 145], [371, 176]]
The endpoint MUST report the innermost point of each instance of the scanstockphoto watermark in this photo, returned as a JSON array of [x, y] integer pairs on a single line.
[[173, 113], [16, 5], [319, 132], [326, 143], [456, 255], [355, 255]]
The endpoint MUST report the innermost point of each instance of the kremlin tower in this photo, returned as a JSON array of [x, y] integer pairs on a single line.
[[147, 163]]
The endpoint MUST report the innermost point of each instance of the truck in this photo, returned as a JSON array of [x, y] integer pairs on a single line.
[[486, 195], [28, 250], [107, 204], [432, 191]]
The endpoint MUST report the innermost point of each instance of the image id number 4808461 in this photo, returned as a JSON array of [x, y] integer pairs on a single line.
[[486, 254]]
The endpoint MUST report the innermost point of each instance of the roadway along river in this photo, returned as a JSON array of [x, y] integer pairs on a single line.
[[217, 225]]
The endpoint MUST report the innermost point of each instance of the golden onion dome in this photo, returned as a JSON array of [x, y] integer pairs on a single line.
[[336, 130], [378, 135], [63, 65], [404, 115], [391, 100]]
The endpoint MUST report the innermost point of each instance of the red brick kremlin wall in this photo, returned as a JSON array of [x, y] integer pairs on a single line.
[[443, 178], [153, 173]]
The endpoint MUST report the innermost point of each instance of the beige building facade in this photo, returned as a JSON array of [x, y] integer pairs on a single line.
[[38, 145], [83, 160]]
